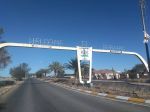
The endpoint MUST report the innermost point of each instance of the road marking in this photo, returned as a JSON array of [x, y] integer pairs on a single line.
[[88, 91], [102, 94], [94, 93], [138, 100], [147, 101], [122, 97], [111, 96]]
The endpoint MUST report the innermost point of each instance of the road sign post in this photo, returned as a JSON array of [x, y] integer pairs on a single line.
[[84, 54]]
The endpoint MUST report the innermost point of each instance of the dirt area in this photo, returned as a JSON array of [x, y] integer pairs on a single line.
[[115, 88], [5, 89]]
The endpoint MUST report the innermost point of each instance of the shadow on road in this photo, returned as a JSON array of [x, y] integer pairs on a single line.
[[34, 82], [3, 106]]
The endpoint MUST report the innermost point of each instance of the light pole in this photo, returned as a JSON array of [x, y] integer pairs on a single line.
[[146, 36]]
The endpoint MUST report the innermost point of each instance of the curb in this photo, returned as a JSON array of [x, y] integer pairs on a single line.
[[6, 89], [124, 98]]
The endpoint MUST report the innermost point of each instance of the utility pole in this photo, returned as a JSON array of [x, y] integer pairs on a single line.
[[146, 36]]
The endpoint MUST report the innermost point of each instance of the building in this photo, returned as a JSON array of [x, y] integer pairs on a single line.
[[106, 74]]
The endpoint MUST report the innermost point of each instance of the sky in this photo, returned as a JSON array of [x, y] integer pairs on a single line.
[[101, 24]]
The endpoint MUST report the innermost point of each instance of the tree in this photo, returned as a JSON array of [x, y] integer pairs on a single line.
[[5, 58], [84, 68], [114, 74], [45, 71], [73, 65], [39, 73], [20, 71], [42, 72], [138, 68], [57, 68], [93, 71], [61, 72]]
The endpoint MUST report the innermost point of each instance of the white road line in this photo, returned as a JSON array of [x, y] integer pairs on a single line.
[[147, 101], [102, 94], [122, 97], [88, 91]]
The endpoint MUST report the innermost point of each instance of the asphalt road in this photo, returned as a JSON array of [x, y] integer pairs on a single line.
[[38, 96]]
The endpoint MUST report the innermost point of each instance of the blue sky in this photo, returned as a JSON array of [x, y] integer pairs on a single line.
[[101, 23]]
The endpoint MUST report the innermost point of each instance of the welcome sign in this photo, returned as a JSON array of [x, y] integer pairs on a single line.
[[84, 53]]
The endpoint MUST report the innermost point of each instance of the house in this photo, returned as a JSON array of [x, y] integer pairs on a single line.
[[106, 74], [70, 76]]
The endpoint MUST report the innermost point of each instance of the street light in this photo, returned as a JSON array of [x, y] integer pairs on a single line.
[[146, 36]]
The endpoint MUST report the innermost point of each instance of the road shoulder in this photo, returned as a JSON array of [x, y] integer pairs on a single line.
[[8, 90], [110, 96]]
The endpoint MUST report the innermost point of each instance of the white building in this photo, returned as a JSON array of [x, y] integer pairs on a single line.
[[106, 74]]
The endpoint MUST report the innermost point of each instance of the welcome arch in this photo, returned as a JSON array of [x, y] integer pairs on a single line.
[[77, 49]]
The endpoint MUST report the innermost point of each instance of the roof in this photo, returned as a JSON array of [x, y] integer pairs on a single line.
[[104, 71]]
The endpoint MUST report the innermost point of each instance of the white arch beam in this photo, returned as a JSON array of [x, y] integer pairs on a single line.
[[124, 52], [73, 49]]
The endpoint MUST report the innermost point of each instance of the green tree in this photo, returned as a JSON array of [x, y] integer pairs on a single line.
[[138, 68], [73, 65], [39, 73], [114, 74], [93, 71], [20, 71], [85, 68], [43, 72], [57, 68], [5, 58]]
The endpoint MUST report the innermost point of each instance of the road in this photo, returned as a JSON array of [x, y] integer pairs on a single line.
[[38, 96]]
